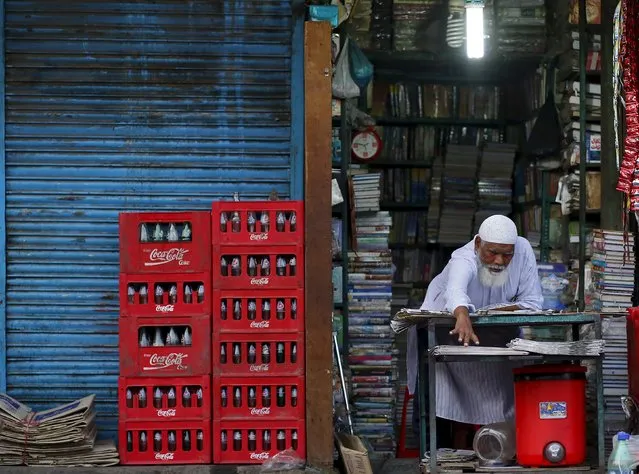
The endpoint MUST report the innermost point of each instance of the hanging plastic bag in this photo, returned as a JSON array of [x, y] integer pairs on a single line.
[[343, 85], [361, 67], [547, 134]]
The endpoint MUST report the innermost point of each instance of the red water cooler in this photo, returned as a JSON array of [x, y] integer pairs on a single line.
[[550, 415]]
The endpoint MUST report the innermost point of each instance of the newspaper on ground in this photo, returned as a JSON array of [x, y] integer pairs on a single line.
[[61, 436]]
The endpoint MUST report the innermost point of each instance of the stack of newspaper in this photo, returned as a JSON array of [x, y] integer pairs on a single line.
[[61, 436], [593, 347]]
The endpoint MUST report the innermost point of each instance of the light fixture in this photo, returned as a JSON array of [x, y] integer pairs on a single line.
[[474, 29]]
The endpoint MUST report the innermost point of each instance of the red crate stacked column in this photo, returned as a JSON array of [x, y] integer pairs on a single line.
[[165, 338], [258, 330]]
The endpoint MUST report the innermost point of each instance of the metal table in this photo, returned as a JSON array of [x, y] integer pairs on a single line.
[[503, 319]]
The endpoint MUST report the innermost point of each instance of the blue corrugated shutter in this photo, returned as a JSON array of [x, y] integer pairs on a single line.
[[111, 106]]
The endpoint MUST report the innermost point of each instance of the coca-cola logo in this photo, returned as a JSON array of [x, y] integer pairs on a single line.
[[174, 359], [264, 411], [164, 308], [260, 324], [259, 368], [263, 456], [164, 456], [162, 257], [261, 236], [259, 281], [166, 413]]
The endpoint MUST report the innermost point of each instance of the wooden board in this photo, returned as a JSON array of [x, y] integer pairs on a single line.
[[318, 285]]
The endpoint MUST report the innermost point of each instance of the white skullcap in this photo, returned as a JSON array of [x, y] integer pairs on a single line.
[[498, 230]]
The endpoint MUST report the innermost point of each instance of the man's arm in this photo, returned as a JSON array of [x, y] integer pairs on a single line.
[[460, 272], [529, 294]]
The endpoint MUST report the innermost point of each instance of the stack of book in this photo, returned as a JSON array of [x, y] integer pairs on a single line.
[[613, 264], [372, 355], [411, 21], [495, 181], [521, 30], [434, 206], [459, 183], [366, 190], [615, 375]]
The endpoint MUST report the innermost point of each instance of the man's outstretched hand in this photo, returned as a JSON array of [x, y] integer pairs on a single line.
[[463, 327]]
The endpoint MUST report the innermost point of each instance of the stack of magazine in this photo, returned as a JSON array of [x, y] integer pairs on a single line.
[[495, 181], [459, 185], [372, 356]]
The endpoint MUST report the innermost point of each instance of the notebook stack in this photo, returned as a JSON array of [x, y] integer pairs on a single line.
[[613, 263], [366, 190], [372, 355], [459, 185], [495, 181]]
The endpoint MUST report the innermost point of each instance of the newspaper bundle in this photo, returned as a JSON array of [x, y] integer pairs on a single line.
[[61, 436]]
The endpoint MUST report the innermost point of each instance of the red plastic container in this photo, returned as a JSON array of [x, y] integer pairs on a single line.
[[260, 312], [180, 398], [632, 331], [260, 398], [196, 449], [184, 294], [167, 360], [231, 267], [241, 223], [550, 401], [275, 354], [190, 253], [228, 449]]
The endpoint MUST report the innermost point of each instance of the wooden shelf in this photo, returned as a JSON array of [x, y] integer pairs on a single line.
[[444, 121], [403, 206], [401, 164]]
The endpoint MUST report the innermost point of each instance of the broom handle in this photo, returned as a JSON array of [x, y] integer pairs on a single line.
[[341, 376]]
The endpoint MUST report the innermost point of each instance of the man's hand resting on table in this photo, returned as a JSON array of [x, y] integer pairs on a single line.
[[463, 327]]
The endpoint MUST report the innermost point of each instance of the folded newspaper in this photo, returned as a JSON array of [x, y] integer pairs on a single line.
[[61, 436], [588, 347], [405, 317], [476, 351]]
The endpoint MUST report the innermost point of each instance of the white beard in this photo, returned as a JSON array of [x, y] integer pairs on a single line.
[[490, 278]]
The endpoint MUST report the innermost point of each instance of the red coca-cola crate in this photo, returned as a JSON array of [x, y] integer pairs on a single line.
[[232, 267], [148, 294], [258, 222], [138, 443], [259, 398], [182, 244], [264, 354], [254, 441], [163, 398], [181, 359], [257, 311]]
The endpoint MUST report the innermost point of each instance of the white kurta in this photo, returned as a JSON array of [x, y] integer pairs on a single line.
[[477, 392]]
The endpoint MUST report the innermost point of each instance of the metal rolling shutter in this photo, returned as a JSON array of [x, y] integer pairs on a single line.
[[111, 106]]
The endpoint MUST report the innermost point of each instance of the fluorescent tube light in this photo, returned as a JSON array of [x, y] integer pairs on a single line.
[[474, 29]]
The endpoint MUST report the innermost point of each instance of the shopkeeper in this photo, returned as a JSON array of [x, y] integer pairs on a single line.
[[496, 267]]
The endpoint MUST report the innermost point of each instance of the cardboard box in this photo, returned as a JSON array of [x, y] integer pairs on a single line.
[[354, 454]]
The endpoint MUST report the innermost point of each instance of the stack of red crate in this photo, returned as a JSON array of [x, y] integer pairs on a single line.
[[258, 330], [165, 337]]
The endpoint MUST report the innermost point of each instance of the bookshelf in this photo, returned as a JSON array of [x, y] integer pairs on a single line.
[[341, 217]]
